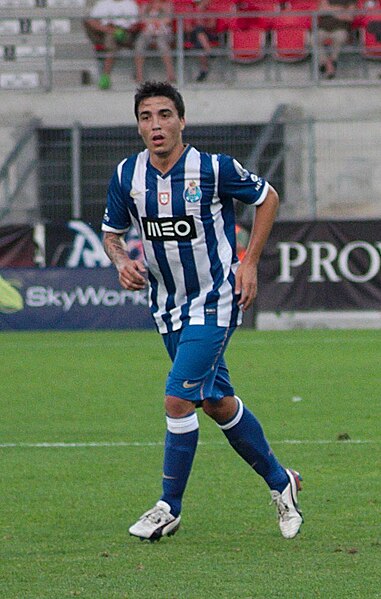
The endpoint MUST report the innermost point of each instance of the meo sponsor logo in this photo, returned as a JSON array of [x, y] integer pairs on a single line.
[[180, 228]]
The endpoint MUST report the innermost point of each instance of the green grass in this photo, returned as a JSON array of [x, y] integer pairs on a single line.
[[65, 511]]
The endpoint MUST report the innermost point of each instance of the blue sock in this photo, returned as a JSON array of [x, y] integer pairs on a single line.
[[180, 446], [246, 436]]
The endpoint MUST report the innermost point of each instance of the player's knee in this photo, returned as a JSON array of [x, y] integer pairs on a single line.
[[221, 410], [177, 407]]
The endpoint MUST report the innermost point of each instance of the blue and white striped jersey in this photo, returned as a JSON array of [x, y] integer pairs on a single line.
[[187, 224]]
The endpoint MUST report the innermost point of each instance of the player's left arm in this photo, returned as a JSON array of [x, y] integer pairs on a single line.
[[246, 275]]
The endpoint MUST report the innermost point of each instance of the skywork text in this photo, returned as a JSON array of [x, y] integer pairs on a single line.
[[40, 297]]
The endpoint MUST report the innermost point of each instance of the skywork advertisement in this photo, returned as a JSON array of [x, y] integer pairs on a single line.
[[66, 298], [305, 266]]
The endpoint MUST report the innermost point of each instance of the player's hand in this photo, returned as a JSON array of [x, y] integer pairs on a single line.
[[132, 275], [246, 284]]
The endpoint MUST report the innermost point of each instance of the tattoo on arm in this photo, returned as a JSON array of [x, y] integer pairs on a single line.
[[114, 247]]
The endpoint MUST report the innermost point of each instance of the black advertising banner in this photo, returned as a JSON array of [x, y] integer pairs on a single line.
[[17, 248], [322, 265], [75, 243], [69, 298]]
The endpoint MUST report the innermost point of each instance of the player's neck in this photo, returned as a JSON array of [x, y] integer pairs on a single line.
[[164, 163]]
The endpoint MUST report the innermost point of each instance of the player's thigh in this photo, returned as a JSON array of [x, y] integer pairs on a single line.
[[198, 361], [221, 386]]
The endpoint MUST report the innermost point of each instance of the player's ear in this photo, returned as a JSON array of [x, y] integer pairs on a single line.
[[182, 123]]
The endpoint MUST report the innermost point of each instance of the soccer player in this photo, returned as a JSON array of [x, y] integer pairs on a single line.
[[181, 201]]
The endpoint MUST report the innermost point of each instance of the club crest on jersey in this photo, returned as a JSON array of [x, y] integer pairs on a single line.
[[193, 192], [164, 198]]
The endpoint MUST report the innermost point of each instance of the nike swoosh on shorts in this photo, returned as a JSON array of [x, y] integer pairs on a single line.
[[188, 385]]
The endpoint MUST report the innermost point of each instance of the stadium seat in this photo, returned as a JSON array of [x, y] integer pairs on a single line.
[[291, 44], [222, 24], [215, 26], [263, 22], [248, 33], [303, 5], [370, 38], [181, 7], [248, 45], [290, 36], [369, 28]]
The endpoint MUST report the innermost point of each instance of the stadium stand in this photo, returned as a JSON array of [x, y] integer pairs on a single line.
[[43, 45]]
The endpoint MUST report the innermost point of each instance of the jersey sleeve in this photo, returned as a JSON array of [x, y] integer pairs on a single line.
[[235, 182], [116, 218]]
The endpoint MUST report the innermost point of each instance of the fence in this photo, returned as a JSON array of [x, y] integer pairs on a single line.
[[322, 169], [43, 46]]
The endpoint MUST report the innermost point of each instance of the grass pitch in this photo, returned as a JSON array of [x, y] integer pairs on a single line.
[[81, 449]]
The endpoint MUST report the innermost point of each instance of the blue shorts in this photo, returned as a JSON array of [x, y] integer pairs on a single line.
[[199, 371]]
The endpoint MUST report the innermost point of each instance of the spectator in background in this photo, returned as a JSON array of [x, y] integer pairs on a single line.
[[112, 24], [157, 31], [334, 27], [201, 37]]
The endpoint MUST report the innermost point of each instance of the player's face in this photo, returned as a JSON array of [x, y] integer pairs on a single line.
[[160, 126]]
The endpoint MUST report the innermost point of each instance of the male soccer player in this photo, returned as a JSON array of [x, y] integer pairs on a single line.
[[181, 201]]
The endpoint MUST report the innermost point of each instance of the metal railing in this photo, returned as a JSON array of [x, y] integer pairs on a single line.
[[17, 169], [38, 46]]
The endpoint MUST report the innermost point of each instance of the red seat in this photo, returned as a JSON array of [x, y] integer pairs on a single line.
[[249, 45], [213, 25], [260, 22], [289, 20], [369, 31], [304, 4], [222, 24], [370, 37], [181, 7], [368, 11], [290, 45], [290, 36]]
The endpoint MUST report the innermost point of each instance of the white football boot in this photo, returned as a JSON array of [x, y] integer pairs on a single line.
[[289, 515], [156, 523]]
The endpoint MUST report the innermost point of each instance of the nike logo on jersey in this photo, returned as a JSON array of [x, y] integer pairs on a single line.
[[188, 385], [176, 228], [136, 192]]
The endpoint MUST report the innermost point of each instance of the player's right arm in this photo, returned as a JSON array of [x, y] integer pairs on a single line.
[[116, 222], [131, 272]]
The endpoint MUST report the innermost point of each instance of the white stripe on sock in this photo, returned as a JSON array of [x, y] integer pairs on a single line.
[[178, 426], [236, 418]]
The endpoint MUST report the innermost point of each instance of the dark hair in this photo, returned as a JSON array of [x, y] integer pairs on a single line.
[[150, 89]]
